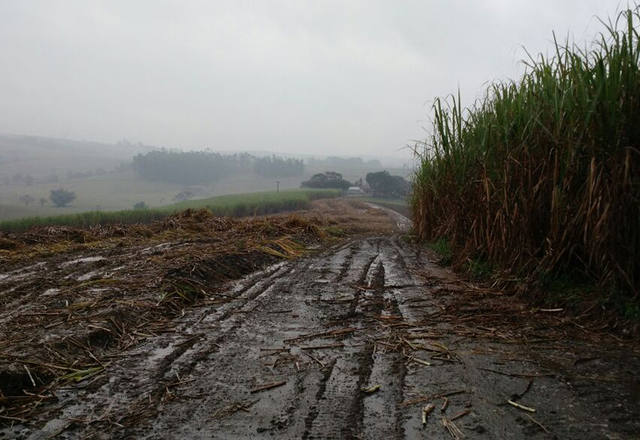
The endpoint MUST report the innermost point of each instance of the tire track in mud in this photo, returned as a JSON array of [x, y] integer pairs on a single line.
[[338, 411], [204, 345], [162, 357], [276, 327], [365, 279], [345, 410], [381, 417], [346, 263], [201, 344], [322, 388], [342, 259], [322, 402]]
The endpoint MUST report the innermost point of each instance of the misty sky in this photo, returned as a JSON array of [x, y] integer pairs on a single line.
[[322, 77]]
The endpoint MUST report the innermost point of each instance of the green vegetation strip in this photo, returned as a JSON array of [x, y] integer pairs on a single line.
[[542, 176], [236, 205]]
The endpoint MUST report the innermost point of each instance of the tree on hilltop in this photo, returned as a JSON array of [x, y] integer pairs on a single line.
[[61, 197], [329, 179], [384, 184], [27, 199]]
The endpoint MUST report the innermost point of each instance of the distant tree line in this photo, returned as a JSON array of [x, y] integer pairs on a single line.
[[189, 168], [275, 166], [29, 180], [381, 183], [202, 167]]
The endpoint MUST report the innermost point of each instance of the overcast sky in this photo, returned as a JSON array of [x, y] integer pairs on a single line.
[[323, 77]]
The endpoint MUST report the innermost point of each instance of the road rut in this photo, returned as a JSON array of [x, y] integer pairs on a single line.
[[352, 343]]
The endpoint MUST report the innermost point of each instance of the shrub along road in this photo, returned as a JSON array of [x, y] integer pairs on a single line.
[[367, 339]]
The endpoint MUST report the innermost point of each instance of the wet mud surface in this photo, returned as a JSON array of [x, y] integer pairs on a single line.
[[367, 339]]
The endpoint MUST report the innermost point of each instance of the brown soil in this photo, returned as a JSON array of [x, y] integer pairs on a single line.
[[326, 324]]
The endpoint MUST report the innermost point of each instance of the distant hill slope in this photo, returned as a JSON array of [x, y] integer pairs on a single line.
[[40, 156]]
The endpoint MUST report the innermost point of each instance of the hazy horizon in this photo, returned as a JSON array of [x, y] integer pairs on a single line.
[[330, 78]]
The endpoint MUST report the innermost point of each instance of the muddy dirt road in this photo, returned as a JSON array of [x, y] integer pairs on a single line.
[[355, 342]]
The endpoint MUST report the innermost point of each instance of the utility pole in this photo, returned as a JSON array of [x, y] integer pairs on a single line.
[[277, 186]]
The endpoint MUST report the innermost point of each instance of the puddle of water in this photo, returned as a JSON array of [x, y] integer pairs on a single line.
[[16, 277], [156, 248], [20, 273], [98, 289], [89, 275], [159, 353], [254, 279], [83, 260], [50, 292], [371, 273]]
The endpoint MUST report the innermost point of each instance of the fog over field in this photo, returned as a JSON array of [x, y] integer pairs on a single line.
[[347, 78], [86, 86]]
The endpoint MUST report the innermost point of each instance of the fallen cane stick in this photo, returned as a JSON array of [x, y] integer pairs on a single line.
[[522, 407], [426, 410]]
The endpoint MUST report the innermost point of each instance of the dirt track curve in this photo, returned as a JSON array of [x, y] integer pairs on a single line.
[[354, 343]]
